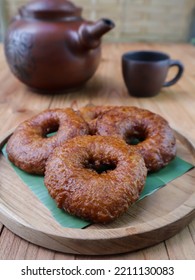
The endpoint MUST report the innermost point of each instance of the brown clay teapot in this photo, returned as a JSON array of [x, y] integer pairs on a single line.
[[49, 46]]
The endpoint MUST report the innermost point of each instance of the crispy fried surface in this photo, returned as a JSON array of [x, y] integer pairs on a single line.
[[157, 143], [98, 182], [89, 113], [29, 147], [95, 177]]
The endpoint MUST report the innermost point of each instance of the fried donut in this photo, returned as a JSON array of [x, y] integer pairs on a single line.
[[156, 141], [29, 147], [91, 113], [100, 180]]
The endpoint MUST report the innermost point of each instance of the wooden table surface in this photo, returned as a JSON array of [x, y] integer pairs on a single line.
[[176, 104]]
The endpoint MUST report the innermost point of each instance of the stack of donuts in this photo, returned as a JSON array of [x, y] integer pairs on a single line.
[[95, 164]]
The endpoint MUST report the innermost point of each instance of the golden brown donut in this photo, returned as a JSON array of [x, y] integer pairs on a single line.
[[91, 113], [29, 147], [157, 143], [100, 180]]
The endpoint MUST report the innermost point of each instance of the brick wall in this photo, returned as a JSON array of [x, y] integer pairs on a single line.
[[137, 20]]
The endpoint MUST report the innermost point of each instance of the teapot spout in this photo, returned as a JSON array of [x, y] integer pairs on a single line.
[[90, 33]]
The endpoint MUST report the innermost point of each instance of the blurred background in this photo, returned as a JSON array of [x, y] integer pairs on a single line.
[[136, 20]]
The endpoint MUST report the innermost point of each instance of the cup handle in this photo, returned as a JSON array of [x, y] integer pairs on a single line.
[[180, 66]]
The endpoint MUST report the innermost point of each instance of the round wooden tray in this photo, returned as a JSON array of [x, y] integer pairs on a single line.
[[147, 222]]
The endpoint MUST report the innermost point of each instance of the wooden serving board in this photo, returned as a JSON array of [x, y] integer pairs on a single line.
[[147, 222]]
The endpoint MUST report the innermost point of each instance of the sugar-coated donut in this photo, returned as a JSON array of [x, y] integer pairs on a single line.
[[156, 139], [100, 180], [29, 147]]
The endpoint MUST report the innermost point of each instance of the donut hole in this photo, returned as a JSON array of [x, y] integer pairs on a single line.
[[134, 138], [50, 130], [100, 166]]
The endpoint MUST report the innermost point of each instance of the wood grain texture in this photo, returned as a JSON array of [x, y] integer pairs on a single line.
[[157, 252], [178, 249], [176, 104]]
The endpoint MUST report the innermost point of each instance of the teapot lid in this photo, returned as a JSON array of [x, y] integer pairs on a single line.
[[50, 9]]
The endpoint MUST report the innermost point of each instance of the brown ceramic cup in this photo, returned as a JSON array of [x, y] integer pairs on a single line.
[[145, 72]]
